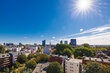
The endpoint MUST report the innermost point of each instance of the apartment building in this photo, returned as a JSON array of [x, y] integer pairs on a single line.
[[5, 60], [73, 66], [14, 56]]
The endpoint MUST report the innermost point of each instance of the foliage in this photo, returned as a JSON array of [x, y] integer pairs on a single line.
[[54, 67], [7, 70], [44, 57], [39, 50], [83, 51], [86, 45], [17, 64], [31, 64], [67, 52], [95, 48], [30, 70], [12, 67], [21, 68], [15, 71], [79, 57], [21, 58], [60, 48], [31, 55], [2, 49], [95, 67], [37, 59]]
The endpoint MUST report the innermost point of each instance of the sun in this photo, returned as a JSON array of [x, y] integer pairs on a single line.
[[83, 6]]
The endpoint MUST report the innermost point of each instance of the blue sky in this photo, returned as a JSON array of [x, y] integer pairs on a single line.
[[31, 21]]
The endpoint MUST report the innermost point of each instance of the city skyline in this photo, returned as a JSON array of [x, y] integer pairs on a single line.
[[54, 20]]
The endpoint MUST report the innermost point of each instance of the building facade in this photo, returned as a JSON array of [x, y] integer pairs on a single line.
[[65, 42], [44, 43], [73, 42], [5, 60], [73, 66], [61, 42]]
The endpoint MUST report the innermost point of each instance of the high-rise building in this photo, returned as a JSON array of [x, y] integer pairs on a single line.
[[44, 43], [20, 44], [35, 44], [73, 42], [9, 44], [65, 42], [61, 42]]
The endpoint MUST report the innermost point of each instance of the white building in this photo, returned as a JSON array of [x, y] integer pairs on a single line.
[[33, 49], [73, 66], [16, 49]]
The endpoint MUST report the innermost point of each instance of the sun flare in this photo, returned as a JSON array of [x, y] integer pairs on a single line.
[[83, 6]]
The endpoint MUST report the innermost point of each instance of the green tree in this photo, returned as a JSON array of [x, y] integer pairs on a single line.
[[21, 58], [7, 70], [83, 51], [31, 64], [94, 67], [12, 67], [54, 67], [38, 59], [86, 45], [67, 52], [2, 49], [31, 55], [17, 64], [15, 71], [107, 69], [44, 57], [39, 50], [60, 48]]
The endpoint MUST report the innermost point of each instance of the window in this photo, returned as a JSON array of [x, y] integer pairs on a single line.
[[3, 55]]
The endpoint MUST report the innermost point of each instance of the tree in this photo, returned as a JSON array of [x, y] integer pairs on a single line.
[[31, 64], [7, 70], [2, 49], [31, 55], [86, 45], [60, 48], [44, 57], [38, 59], [21, 58], [15, 71], [39, 50], [54, 67], [83, 51], [67, 52], [94, 67], [12, 67], [17, 64]]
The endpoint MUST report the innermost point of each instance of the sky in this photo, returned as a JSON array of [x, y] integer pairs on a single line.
[[31, 21]]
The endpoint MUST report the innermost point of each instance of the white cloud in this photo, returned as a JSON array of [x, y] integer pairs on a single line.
[[93, 30], [53, 37], [25, 37], [81, 30], [96, 36], [51, 40], [97, 39]]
